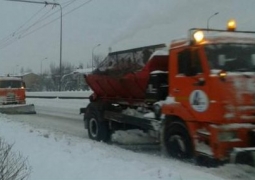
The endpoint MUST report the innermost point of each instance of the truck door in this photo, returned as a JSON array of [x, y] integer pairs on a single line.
[[189, 83]]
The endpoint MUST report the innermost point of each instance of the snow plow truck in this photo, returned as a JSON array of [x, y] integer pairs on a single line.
[[13, 97], [198, 94]]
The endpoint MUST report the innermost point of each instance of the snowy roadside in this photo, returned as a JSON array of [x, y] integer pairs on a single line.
[[55, 155]]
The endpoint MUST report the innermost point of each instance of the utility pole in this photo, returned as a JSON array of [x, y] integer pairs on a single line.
[[60, 51], [41, 64]]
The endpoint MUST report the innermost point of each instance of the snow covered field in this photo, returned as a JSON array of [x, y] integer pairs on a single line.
[[55, 155], [60, 94]]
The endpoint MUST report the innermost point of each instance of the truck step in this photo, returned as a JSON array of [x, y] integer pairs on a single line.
[[203, 132]]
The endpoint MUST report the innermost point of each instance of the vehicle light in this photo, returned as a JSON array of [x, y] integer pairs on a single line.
[[228, 136], [222, 74], [198, 36], [231, 26]]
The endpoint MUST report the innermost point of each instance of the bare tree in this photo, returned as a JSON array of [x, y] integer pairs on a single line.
[[28, 70], [22, 71], [66, 67], [97, 60], [12, 166], [80, 66]]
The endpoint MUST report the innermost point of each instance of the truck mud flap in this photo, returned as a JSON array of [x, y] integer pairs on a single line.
[[18, 109], [243, 156]]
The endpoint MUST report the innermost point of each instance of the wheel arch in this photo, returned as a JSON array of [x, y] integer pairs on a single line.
[[98, 127], [90, 110], [172, 120], [95, 107]]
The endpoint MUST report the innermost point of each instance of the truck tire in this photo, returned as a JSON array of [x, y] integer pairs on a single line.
[[97, 128], [177, 142]]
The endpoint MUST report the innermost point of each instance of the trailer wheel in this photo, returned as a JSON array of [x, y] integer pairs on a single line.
[[97, 129], [177, 141]]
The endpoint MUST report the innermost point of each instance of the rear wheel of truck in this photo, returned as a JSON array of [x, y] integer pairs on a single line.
[[177, 142], [98, 130]]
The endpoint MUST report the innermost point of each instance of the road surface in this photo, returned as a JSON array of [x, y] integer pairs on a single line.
[[62, 117]]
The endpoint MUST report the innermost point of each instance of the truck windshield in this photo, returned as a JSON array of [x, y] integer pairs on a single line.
[[10, 84], [233, 57]]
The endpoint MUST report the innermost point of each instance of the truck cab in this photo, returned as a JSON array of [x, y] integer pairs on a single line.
[[212, 90], [12, 90]]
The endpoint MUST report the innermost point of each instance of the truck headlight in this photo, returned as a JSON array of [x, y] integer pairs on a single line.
[[198, 36]]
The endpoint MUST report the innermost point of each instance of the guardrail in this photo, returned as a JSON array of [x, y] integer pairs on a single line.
[[60, 95]]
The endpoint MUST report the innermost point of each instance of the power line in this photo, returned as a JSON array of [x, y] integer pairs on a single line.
[[78, 7], [15, 36], [68, 2], [18, 33], [12, 34], [38, 21], [44, 18]]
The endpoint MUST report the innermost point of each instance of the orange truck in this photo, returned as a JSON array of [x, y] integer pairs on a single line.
[[198, 95], [12, 91], [13, 97]]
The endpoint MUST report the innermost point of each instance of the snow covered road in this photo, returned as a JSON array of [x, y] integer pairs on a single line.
[[64, 120], [55, 115], [57, 147]]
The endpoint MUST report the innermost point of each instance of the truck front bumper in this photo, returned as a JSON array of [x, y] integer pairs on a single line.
[[234, 142], [243, 156]]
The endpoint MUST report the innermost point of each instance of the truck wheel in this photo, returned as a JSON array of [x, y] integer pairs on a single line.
[[177, 141], [98, 130]]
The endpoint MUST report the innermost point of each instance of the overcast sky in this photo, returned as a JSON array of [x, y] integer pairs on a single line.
[[25, 39]]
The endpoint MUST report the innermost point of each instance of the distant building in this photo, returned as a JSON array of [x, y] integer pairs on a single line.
[[32, 81], [70, 82]]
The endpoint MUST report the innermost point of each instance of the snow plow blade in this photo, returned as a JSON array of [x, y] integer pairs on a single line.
[[18, 109], [243, 156]]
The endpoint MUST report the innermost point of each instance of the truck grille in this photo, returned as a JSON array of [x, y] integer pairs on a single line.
[[9, 99]]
